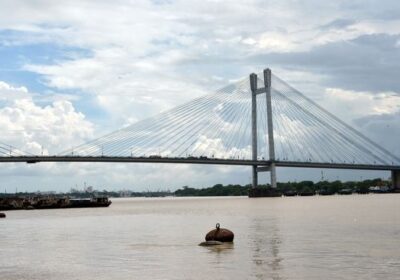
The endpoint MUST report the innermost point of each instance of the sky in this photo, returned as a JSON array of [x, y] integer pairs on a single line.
[[73, 71]]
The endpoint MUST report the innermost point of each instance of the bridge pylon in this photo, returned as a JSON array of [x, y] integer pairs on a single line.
[[271, 147], [253, 86]]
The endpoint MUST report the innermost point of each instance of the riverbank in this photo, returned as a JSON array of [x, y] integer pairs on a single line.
[[303, 188]]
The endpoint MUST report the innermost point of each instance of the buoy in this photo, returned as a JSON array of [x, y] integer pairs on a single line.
[[220, 234], [2, 215]]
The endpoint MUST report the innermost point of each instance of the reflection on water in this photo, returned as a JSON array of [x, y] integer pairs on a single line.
[[223, 248], [334, 237], [265, 247]]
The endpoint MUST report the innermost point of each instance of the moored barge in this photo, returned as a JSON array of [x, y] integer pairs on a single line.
[[51, 202]]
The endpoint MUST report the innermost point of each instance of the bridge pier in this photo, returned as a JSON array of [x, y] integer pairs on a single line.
[[255, 177], [396, 179], [273, 176]]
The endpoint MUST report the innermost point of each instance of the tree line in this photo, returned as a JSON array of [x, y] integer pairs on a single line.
[[285, 187]]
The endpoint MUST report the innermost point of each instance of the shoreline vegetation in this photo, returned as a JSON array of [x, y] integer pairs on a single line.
[[302, 188]]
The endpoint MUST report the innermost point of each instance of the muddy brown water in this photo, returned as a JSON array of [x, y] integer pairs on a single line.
[[320, 237]]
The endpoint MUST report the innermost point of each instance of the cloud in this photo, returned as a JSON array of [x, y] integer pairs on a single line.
[[367, 63], [8, 92], [376, 115], [38, 129], [337, 24], [189, 42], [384, 129], [358, 104], [216, 148], [126, 91]]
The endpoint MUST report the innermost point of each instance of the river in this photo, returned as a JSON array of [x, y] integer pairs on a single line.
[[331, 237]]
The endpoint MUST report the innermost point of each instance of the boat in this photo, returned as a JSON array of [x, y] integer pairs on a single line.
[[264, 192], [290, 193], [379, 189], [326, 192], [307, 191], [91, 202], [51, 202], [345, 191]]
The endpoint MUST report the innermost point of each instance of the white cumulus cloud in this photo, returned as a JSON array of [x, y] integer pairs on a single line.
[[36, 129]]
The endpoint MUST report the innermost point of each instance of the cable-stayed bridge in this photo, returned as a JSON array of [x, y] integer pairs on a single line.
[[262, 122]]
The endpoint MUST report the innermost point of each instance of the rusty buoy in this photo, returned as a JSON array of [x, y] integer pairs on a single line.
[[2, 215], [220, 234]]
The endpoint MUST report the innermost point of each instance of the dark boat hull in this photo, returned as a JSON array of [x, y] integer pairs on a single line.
[[51, 203], [264, 192]]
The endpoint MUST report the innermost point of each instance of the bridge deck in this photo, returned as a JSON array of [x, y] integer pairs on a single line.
[[209, 161]]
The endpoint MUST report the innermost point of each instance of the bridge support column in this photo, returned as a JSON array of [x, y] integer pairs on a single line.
[[396, 179], [254, 183], [273, 176], [271, 145], [253, 86]]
